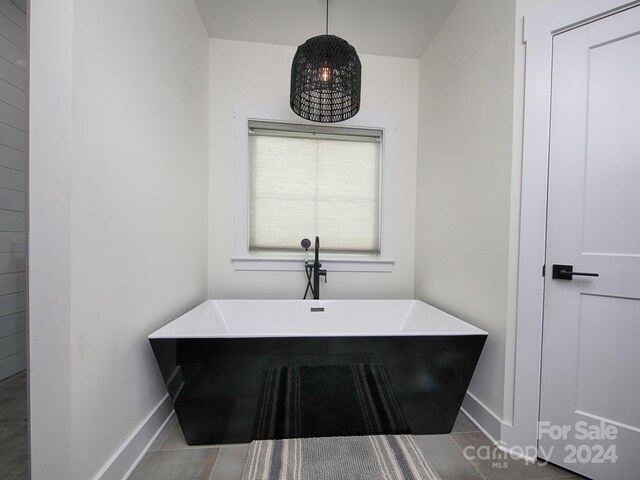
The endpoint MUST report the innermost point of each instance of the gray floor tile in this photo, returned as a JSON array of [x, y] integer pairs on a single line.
[[569, 476], [13, 450], [19, 476], [493, 464], [175, 441], [11, 430], [445, 456], [19, 469], [13, 427], [174, 459], [194, 464], [230, 463]]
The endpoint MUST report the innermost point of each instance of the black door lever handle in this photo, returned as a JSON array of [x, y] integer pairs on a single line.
[[582, 274], [565, 272]]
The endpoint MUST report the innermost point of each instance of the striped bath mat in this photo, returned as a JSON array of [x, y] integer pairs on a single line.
[[376, 457], [327, 401]]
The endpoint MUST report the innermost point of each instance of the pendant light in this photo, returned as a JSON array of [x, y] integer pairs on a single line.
[[325, 79]]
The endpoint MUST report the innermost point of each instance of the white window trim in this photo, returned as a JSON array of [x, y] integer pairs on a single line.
[[244, 260]]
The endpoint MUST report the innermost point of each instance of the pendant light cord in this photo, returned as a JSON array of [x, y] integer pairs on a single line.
[[327, 20]]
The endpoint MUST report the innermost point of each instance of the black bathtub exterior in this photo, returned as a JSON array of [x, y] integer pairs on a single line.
[[218, 387]]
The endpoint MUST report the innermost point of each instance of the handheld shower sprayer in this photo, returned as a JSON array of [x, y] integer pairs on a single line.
[[313, 269], [306, 243]]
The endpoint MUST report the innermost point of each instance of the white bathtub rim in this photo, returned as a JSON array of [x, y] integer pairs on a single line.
[[207, 320]]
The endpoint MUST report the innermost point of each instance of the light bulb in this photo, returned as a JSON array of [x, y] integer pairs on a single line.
[[325, 74]]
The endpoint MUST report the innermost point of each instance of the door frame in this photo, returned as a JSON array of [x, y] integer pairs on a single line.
[[540, 26]]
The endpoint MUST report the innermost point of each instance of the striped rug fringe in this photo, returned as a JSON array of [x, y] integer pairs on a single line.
[[373, 457]]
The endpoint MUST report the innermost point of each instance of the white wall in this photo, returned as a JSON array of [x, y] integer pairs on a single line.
[[118, 175], [463, 219], [260, 74], [118, 226], [13, 144]]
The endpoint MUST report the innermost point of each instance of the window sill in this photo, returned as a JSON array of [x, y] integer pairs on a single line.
[[290, 264]]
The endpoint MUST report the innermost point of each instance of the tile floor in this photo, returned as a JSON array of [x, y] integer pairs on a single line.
[[170, 458], [13, 428]]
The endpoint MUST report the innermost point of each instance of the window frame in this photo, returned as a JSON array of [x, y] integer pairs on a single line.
[[244, 260]]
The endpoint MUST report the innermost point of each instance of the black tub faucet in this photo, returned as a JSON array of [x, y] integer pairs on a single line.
[[313, 269]]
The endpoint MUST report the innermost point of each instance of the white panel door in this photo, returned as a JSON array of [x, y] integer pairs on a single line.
[[590, 391]]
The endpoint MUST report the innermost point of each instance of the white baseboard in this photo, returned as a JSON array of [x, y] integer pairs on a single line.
[[493, 428], [125, 460], [482, 417]]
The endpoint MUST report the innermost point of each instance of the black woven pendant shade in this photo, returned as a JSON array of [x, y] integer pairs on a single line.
[[325, 80]]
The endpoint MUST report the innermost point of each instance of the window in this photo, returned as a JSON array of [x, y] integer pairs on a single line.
[[295, 180], [307, 180]]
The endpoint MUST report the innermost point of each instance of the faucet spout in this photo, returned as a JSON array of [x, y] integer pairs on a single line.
[[317, 272], [314, 269]]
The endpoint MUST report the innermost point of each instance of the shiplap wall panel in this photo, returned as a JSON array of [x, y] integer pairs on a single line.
[[21, 4], [12, 242], [12, 200], [12, 137], [13, 117], [12, 324], [11, 221], [12, 303], [13, 13], [12, 179], [12, 344], [13, 87], [12, 74], [12, 95], [12, 262], [13, 32], [12, 283], [12, 52], [12, 159], [13, 364]]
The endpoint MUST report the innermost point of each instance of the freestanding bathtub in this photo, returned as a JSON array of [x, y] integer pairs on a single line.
[[238, 370]]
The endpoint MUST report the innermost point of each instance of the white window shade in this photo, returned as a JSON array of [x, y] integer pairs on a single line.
[[310, 180]]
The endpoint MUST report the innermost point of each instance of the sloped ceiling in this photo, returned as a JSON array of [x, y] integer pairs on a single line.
[[399, 28]]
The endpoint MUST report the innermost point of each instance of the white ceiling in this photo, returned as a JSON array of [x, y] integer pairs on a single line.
[[399, 28]]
